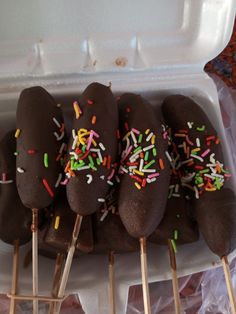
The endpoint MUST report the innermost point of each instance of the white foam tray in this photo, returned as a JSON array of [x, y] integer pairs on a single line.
[[64, 46]]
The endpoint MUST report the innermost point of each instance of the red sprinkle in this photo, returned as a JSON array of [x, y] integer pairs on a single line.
[[209, 138], [118, 134], [128, 109], [183, 131], [126, 126], [217, 141], [85, 155], [90, 102], [199, 167], [31, 151], [50, 192], [144, 183], [137, 179], [108, 162]]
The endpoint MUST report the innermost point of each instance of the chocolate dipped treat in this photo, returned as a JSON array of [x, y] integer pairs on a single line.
[[109, 231], [144, 169], [204, 173], [40, 145], [92, 149], [15, 218], [56, 235]]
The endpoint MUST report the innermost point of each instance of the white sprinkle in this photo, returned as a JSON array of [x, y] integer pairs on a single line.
[[117, 179], [198, 142], [63, 145], [133, 138], [75, 142], [149, 170], [141, 165], [135, 154], [176, 188], [73, 133], [197, 157], [186, 161], [6, 181], [90, 178], [196, 192], [58, 180], [217, 175], [83, 168], [101, 200], [147, 148], [213, 170], [124, 169], [61, 136], [151, 180], [56, 122], [212, 158], [75, 155], [68, 175], [188, 197], [56, 135], [209, 176], [150, 135], [20, 170], [132, 168], [102, 177], [188, 178], [99, 156], [102, 146], [171, 186], [109, 182], [175, 194], [168, 156], [104, 215], [190, 125]]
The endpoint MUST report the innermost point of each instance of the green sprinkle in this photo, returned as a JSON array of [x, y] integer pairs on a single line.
[[62, 161], [72, 165], [217, 183], [90, 158], [146, 156], [137, 149], [76, 164], [174, 245], [198, 180], [98, 161], [204, 171], [201, 129], [83, 148], [140, 138], [149, 164], [170, 193], [92, 167], [154, 152], [176, 234], [224, 171], [45, 160]]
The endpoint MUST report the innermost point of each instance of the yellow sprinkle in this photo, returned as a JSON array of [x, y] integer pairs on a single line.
[[127, 135], [17, 134], [153, 139], [94, 143], [94, 119], [210, 189], [200, 185], [195, 150], [138, 172], [76, 108], [82, 131], [57, 222], [138, 186], [147, 131]]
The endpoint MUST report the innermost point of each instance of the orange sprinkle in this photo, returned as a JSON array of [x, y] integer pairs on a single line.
[[67, 166], [71, 172], [94, 119], [161, 163], [217, 141], [58, 157], [104, 161], [141, 155], [190, 163], [218, 168], [62, 127]]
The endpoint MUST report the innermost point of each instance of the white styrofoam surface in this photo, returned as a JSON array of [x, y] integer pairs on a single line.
[[63, 46]]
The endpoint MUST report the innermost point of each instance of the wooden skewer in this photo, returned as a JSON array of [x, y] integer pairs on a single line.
[[111, 283], [229, 285], [175, 283], [34, 228], [146, 296], [69, 259], [56, 280], [38, 298], [15, 269]]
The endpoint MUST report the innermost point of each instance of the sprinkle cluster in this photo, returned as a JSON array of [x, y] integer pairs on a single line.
[[194, 161], [139, 157]]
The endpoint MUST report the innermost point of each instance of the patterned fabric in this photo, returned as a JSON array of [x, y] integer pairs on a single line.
[[224, 65]]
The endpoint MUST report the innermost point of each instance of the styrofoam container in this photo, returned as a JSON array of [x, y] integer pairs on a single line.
[[154, 48]]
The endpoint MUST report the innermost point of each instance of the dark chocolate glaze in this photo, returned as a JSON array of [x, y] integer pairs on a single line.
[[142, 210], [15, 218], [35, 112], [83, 197], [215, 211], [177, 217], [59, 239], [110, 233]]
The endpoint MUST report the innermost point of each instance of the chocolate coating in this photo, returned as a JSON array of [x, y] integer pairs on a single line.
[[142, 210], [215, 210], [97, 100], [58, 239], [15, 218], [177, 217], [34, 118], [110, 233]]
